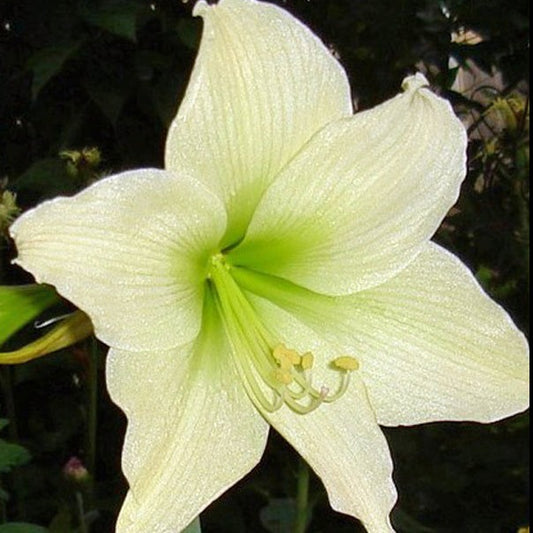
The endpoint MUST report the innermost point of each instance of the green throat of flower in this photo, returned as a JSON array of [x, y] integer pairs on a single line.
[[273, 374]]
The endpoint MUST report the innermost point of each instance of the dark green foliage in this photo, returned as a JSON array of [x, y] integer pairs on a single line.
[[21, 527], [110, 74], [11, 455]]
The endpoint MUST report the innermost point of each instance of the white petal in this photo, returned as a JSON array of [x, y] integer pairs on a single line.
[[343, 444], [436, 347], [432, 345], [261, 86], [192, 431], [130, 251], [361, 199], [341, 441]]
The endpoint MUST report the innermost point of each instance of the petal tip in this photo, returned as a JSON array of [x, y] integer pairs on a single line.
[[200, 8], [415, 82]]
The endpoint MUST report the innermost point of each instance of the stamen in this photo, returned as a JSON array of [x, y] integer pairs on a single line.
[[264, 364], [302, 409], [286, 357], [307, 360], [346, 362], [283, 376]]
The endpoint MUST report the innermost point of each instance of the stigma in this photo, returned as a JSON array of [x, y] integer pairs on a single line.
[[273, 374]]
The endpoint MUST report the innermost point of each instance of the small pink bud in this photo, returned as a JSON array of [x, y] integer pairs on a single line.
[[74, 470]]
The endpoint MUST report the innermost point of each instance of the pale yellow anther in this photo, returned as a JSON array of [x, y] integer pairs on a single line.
[[346, 362], [278, 351], [283, 376], [286, 356], [285, 364], [307, 360]]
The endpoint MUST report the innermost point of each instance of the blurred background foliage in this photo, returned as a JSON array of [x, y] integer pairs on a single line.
[[88, 88]]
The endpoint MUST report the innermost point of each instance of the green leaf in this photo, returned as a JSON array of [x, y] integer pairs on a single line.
[[118, 17], [20, 304], [12, 455], [164, 92], [47, 177], [194, 526], [189, 32], [279, 515], [48, 62], [404, 522], [62, 521], [108, 95], [22, 527]]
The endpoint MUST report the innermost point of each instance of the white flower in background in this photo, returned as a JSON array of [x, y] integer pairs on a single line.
[[279, 273]]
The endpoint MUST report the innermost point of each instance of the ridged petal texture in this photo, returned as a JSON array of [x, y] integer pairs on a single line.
[[432, 345], [436, 347], [341, 441], [261, 86], [130, 251], [192, 431], [362, 197]]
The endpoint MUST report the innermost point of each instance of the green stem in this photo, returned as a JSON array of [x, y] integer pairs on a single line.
[[81, 513], [3, 512], [302, 498], [92, 422]]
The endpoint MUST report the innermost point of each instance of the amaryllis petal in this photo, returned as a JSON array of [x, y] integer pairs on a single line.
[[361, 199], [352, 459], [131, 251], [261, 86], [432, 345], [340, 440], [436, 347], [192, 431]]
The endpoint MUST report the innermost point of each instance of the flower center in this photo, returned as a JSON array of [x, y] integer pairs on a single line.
[[272, 374]]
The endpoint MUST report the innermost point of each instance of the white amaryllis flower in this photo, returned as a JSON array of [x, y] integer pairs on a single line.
[[279, 273]]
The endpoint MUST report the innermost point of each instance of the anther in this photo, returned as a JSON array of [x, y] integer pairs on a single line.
[[346, 362], [283, 354], [283, 376], [307, 361]]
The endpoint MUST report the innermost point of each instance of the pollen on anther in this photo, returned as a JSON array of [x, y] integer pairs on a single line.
[[346, 362], [307, 360], [282, 354], [283, 376]]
